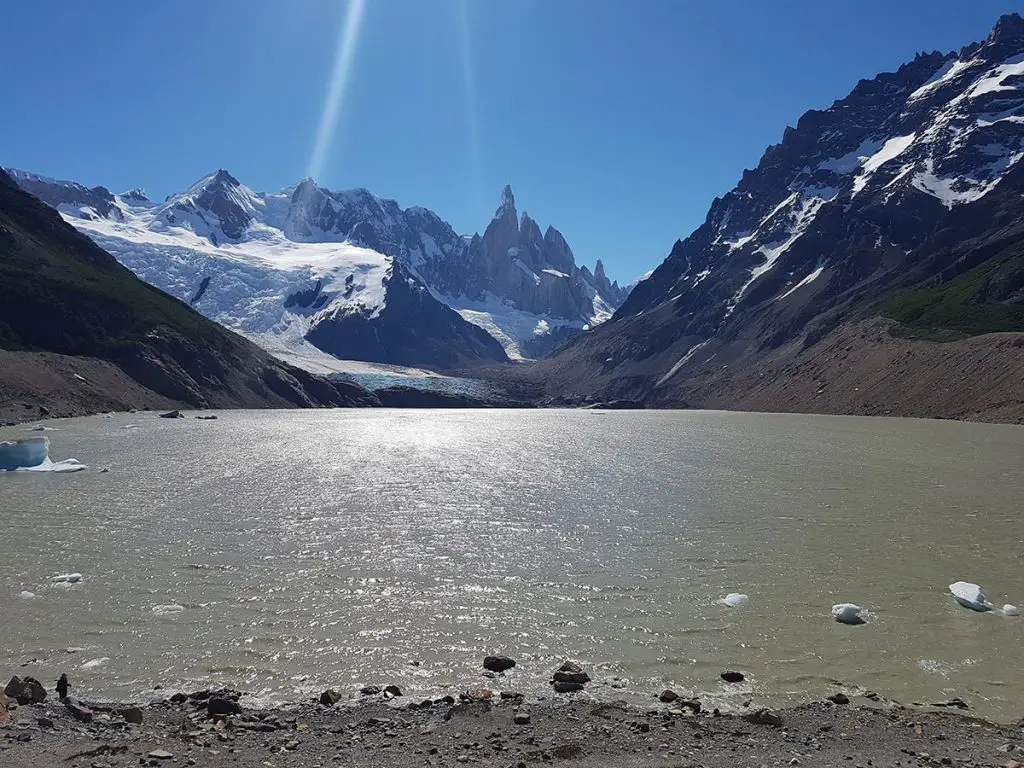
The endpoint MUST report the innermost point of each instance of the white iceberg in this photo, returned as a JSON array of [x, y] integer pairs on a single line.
[[33, 455], [848, 613], [67, 578], [21, 454], [1010, 610], [733, 599], [168, 610], [95, 663], [969, 595], [26, 595]]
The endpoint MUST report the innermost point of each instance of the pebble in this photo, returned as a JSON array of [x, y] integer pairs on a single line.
[[521, 718], [160, 754], [839, 698]]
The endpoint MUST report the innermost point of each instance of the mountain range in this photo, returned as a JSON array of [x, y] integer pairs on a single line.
[[349, 273], [80, 333], [872, 262], [897, 208]]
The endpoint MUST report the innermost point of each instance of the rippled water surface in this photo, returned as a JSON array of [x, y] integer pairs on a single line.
[[285, 551]]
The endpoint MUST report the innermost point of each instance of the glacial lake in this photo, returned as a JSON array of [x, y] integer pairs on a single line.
[[282, 552]]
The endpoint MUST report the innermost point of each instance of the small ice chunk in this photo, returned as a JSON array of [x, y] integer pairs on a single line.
[[95, 663], [1010, 610], [969, 595], [26, 595], [167, 610], [848, 613], [733, 599], [67, 578]]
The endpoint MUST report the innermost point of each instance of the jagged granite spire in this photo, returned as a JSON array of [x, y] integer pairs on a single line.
[[503, 231]]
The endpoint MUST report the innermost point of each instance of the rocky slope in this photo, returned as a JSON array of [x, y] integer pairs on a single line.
[[351, 273], [900, 200], [61, 294]]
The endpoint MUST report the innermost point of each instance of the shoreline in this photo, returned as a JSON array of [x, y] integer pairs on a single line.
[[211, 728]]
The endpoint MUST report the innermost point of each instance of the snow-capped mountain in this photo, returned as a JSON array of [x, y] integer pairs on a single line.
[[351, 273], [906, 184]]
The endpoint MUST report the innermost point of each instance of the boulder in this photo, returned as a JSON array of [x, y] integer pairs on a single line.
[[172, 415], [764, 717], [477, 694], [731, 676], [219, 706], [498, 663], [27, 691], [392, 692], [330, 697], [691, 704], [668, 696], [839, 698], [179, 698], [132, 715], [522, 717], [370, 690], [6, 705], [571, 672], [78, 710]]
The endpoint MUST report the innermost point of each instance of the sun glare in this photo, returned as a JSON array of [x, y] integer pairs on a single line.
[[348, 40]]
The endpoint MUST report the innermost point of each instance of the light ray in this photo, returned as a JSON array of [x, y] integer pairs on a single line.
[[469, 87], [348, 40]]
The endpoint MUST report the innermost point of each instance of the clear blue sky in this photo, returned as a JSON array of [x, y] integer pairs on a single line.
[[617, 121]]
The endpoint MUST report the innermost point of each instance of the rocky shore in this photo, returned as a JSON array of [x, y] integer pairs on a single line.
[[379, 726]]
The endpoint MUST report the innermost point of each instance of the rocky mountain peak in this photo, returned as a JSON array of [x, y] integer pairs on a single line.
[[529, 230], [508, 201], [599, 270], [138, 195], [503, 231], [1010, 25], [223, 177]]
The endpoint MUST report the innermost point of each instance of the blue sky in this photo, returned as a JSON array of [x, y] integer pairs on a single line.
[[617, 121]]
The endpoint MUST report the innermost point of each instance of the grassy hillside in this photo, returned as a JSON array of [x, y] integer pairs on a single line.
[[988, 298]]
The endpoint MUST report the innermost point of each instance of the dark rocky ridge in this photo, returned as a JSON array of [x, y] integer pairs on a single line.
[[900, 200], [60, 293], [413, 329]]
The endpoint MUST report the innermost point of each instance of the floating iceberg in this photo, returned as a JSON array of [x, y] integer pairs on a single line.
[[848, 613], [969, 595], [167, 610], [733, 599], [67, 578], [1010, 610], [26, 595], [33, 455]]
